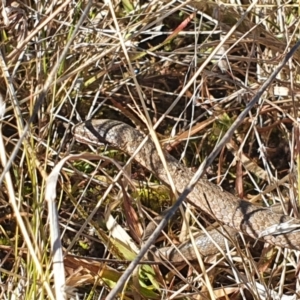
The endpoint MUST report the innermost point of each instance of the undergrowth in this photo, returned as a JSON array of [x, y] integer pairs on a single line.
[[191, 67]]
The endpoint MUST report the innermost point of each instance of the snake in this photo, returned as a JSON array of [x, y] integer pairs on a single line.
[[237, 215]]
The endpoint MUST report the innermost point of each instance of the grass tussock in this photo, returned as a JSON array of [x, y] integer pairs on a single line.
[[75, 220]]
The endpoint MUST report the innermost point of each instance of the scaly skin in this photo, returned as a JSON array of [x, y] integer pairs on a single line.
[[238, 214]]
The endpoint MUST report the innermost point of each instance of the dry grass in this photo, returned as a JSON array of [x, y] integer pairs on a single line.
[[191, 68]]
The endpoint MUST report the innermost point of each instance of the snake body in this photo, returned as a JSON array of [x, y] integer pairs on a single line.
[[239, 215]]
